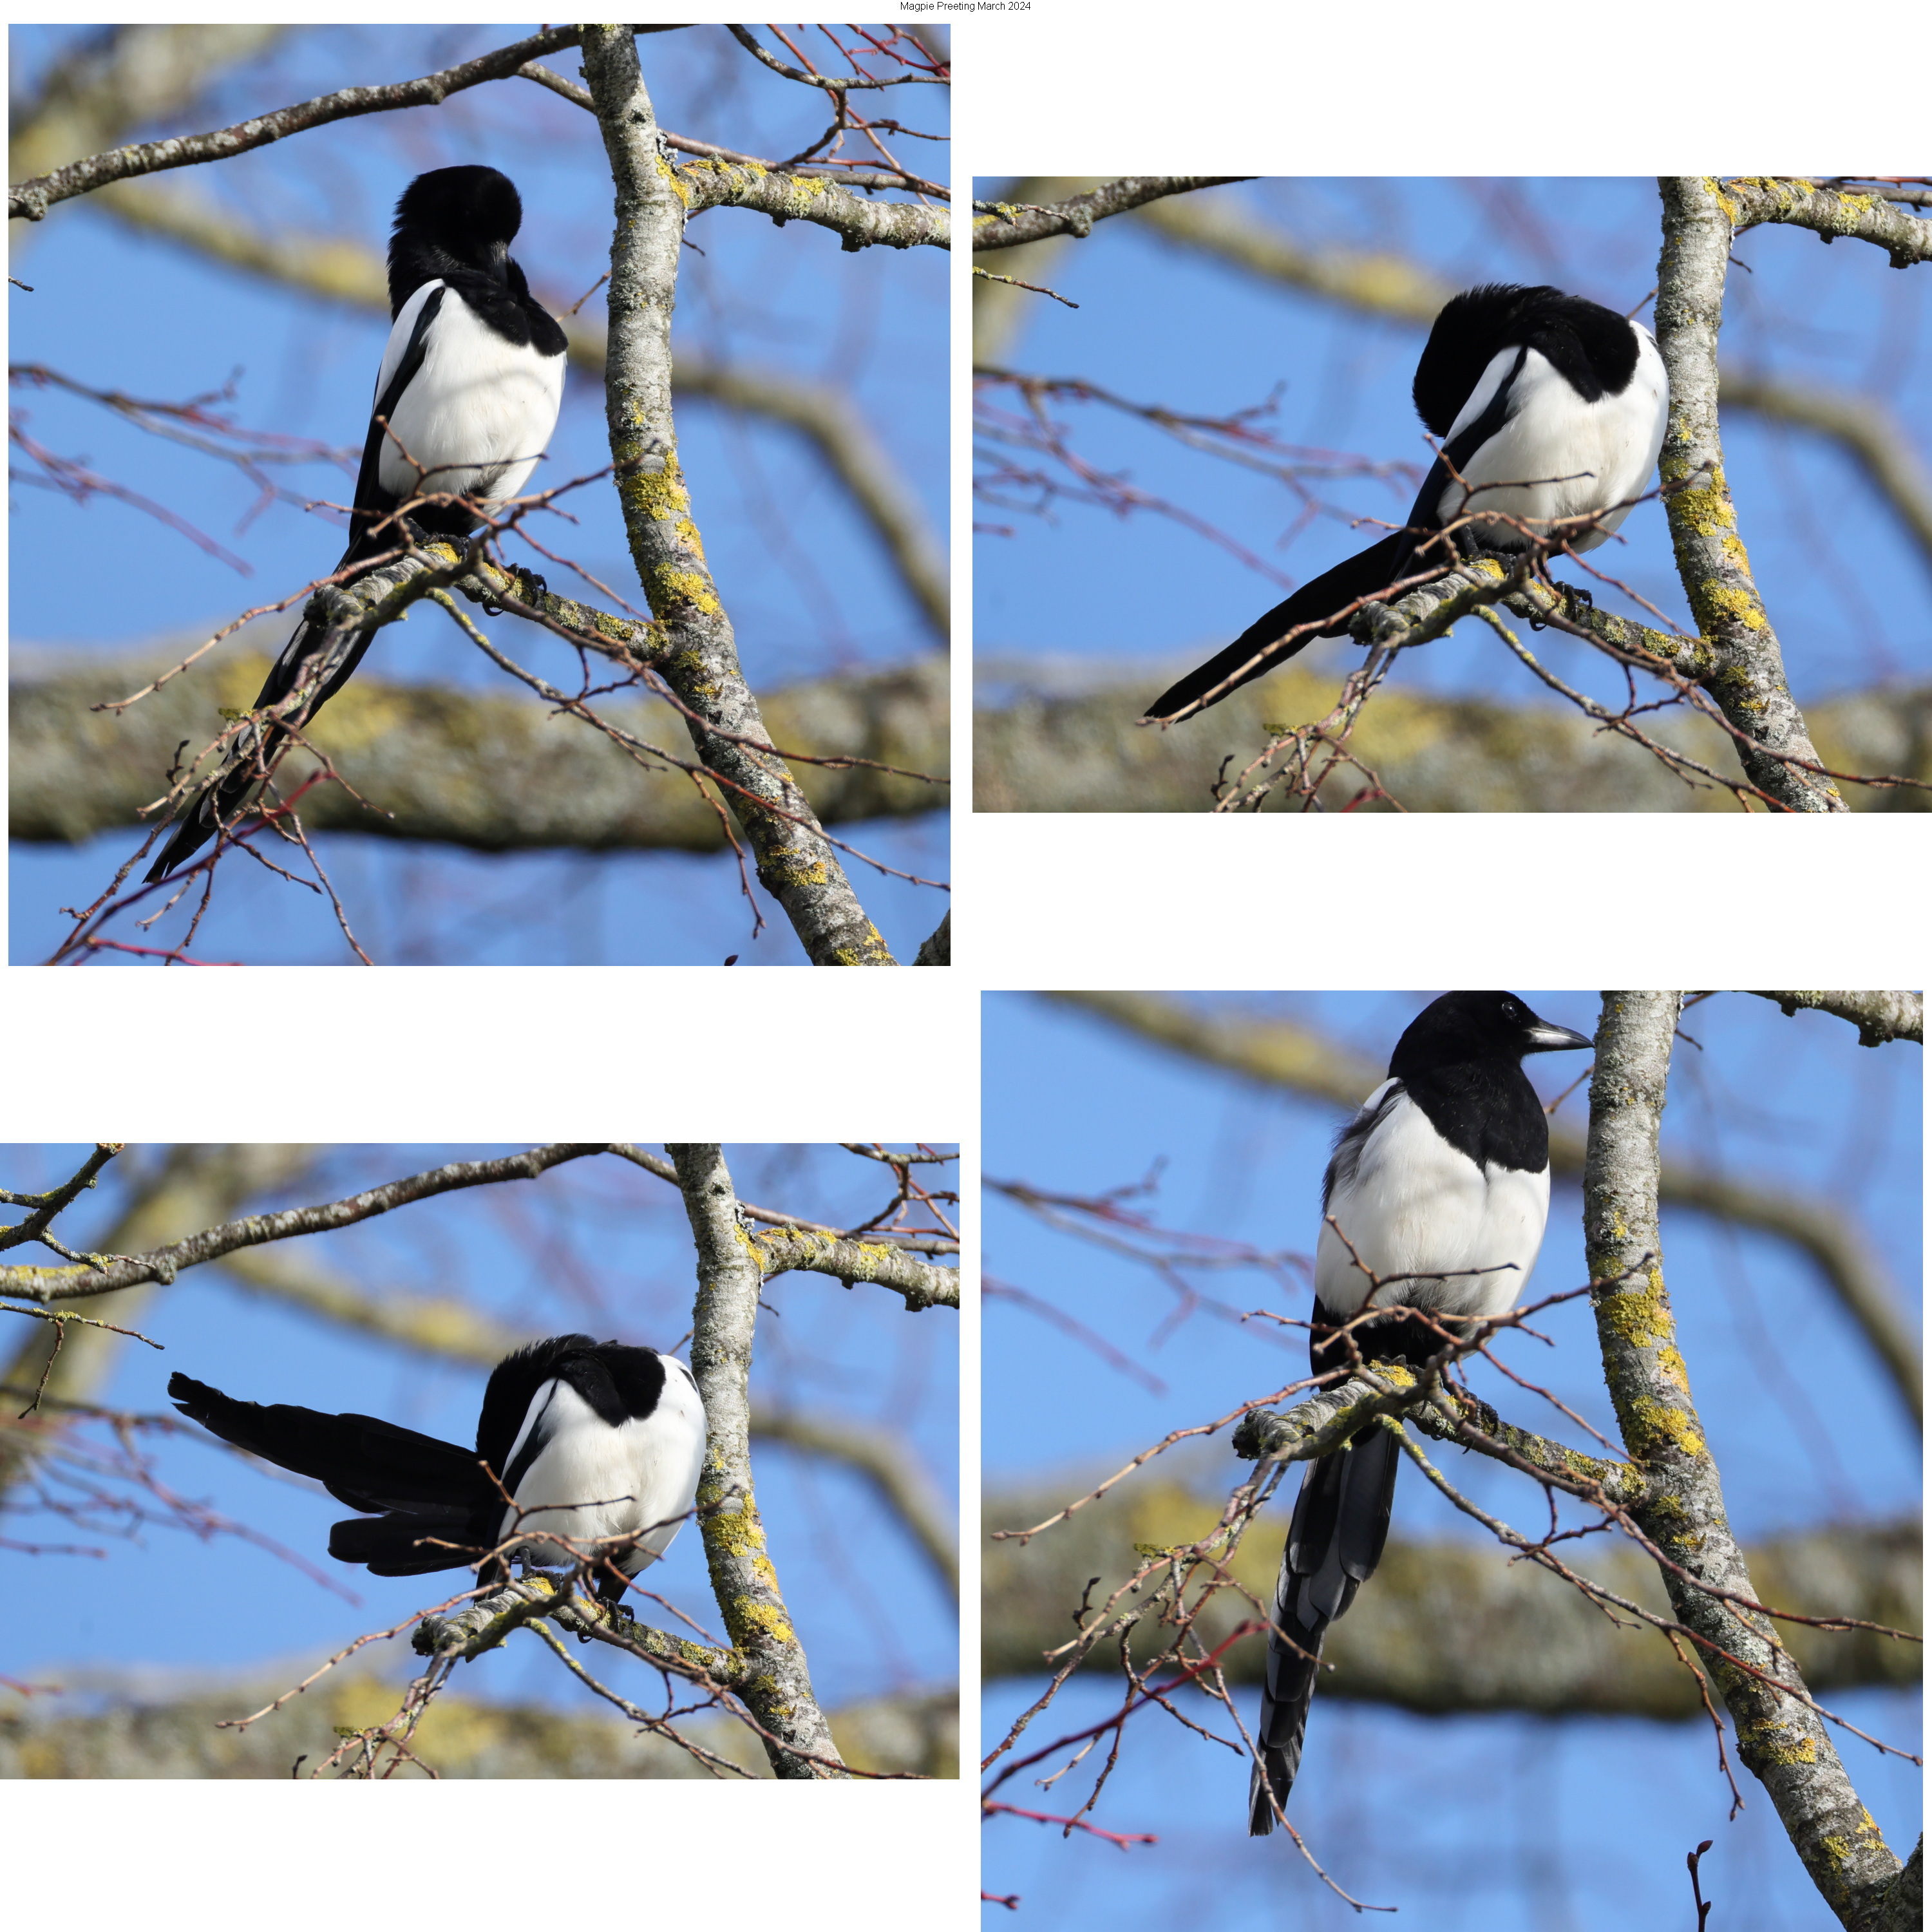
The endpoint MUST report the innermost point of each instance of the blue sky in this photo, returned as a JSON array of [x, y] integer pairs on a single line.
[[808, 588], [1493, 1821], [595, 1245], [1158, 324]]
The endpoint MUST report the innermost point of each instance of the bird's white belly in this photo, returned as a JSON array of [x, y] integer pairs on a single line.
[[592, 1480], [1562, 456], [1417, 1208], [476, 415]]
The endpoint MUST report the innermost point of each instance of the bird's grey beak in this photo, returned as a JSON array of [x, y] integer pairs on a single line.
[[1544, 1038]]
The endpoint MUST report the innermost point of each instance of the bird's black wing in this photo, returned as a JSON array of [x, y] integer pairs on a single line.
[[372, 502], [1334, 1542], [361, 1460]]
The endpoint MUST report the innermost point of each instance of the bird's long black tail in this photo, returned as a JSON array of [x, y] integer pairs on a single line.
[[1259, 648], [220, 802], [1334, 1542], [361, 1460]]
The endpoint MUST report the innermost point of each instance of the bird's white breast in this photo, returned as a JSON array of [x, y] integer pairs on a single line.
[[1414, 1205], [478, 412], [1562, 457], [592, 1480]]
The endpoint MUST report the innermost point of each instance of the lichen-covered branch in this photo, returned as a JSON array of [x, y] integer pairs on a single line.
[[714, 182], [1782, 1740], [795, 863], [777, 1687], [480, 1626], [1747, 676], [1880, 1017], [1830, 213], [1321, 1423], [879, 1262]]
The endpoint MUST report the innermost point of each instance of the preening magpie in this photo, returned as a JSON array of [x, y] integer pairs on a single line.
[[465, 400], [1446, 1167], [591, 1439], [1554, 403]]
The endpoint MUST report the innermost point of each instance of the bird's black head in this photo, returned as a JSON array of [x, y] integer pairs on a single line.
[[1462, 1026], [463, 217], [1592, 345]]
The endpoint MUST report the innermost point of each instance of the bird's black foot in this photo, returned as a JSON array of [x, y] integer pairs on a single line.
[[527, 586]]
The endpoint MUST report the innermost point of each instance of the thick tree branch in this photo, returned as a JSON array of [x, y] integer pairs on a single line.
[[111, 1271], [922, 1285], [795, 863], [1004, 225], [858, 223], [777, 1691], [1782, 1740], [1747, 676], [1828, 212], [33, 198], [1880, 1017]]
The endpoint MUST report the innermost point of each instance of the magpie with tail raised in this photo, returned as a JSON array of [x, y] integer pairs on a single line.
[[1438, 1188], [588, 1439], [1547, 406], [466, 399]]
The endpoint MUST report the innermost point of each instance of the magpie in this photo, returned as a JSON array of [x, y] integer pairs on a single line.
[[1556, 404], [589, 1438], [1446, 1166], [466, 397]]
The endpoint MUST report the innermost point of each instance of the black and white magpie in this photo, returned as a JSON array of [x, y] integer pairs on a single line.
[[1445, 1167], [1548, 407], [591, 1439], [465, 400]]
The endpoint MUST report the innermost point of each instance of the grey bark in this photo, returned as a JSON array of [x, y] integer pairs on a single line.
[[795, 863], [1781, 1740], [1880, 1017], [777, 1688], [1008, 226], [1746, 671]]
